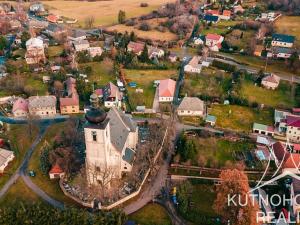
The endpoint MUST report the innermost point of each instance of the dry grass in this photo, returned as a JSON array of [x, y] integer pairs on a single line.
[[289, 25], [104, 12]]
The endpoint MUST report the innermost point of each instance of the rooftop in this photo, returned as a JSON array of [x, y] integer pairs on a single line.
[[283, 38], [192, 104]]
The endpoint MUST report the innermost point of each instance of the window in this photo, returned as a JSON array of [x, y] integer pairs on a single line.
[[94, 135], [125, 168]]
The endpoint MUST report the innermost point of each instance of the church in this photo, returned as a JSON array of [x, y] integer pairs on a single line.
[[111, 139]]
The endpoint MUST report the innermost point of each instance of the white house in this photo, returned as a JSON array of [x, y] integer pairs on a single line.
[[154, 52], [95, 51], [81, 45], [56, 172], [35, 51], [214, 41], [5, 157], [191, 106], [282, 40], [271, 81], [110, 141], [166, 90], [194, 65]]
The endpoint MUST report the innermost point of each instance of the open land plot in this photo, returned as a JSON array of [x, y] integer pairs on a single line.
[[240, 118], [104, 12], [51, 187], [54, 51], [281, 97], [289, 25], [219, 28], [240, 38], [144, 80], [151, 214]]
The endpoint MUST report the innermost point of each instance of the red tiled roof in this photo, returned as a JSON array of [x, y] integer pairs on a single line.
[[136, 46], [99, 92], [226, 13], [215, 37], [52, 18], [20, 104], [293, 121], [212, 12], [73, 101], [56, 169], [166, 88]]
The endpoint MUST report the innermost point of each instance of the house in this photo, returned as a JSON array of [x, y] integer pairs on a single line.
[[270, 81], [238, 9], [281, 52], [37, 7], [55, 31], [293, 128], [214, 41], [210, 119], [56, 172], [37, 24], [173, 57], [258, 50], [42, 106], [154, 52], [213, 12], [198, 41], [77, 35], [226, 15], [6, 156], [194, 65], [110, 139], [211, 18], [135, 47], [52, 18], [35, 51], [263, 129], [95, 51], [166, 90], [15, 24], [20, 108], [112, 97], [70, 103], [282, 40], [81, 45], [191, 106]]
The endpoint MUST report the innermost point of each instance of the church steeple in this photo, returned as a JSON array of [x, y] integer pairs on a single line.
[[95, 114]]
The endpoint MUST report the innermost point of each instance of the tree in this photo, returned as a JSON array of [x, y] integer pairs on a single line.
[[89, 21], [3, 43], [58, 88], [144, 57], [293, 60], [235, 182], [24, 37], [121, 17]]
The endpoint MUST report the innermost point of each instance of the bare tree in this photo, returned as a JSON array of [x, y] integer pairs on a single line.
[[89, 21]]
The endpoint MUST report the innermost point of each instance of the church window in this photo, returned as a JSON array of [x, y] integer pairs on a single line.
[[94, 135]]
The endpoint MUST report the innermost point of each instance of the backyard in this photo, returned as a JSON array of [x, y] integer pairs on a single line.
[[151, 214], [144, 80], [240, 118]]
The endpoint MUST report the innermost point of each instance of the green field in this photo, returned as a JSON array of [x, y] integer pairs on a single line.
[[281, 97], [234, 38], [151, 214], [54, 51], [144, 80], [219, 28], [240, 118]]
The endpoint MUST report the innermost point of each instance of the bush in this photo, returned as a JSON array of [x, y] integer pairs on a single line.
[[44, 160], [144, 26], [144, 4]]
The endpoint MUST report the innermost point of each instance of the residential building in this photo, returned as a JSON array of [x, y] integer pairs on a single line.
[[35, 51], [281, 52], [37, 7], [198, 41], [81, 45], [70, 103], [52, 18], [110, 141], [226, 15], [293, 128], [15, 24], [135, 47], [263, 129], [213, 12], [37, 24], [112, 97], [214, 41], [55, 31], [95, 51], [6, 156], [270, 81], [173, 57], [42, 106], [210, 119], [56, 172], [211, 18], [238, 9], [191, 106], [194, 65], [166, 90], [282, 40], [20, 108], [77, 35], [154, 52]]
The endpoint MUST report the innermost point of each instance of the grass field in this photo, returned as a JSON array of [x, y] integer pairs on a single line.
[[234, 38], [51, 187], [220, 27], [20, 140], [151, 214], [104, 12], [289, 25], [144, 80], [54, 51], [239, 118], [281, 97]]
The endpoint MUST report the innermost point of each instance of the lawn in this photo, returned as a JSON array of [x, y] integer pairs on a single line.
[[20, 141], [144, 80], [54, 51], [220, 27], [104, 12], [151, 214], [289, 25], [35, 85], [51, 187], [102, 72], [240, 38], [240, 118], [281, 97]]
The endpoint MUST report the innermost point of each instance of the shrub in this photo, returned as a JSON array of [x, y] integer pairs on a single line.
[[144, 4], [144, 26]]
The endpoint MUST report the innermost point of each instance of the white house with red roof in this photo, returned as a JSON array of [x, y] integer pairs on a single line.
[[271, 81], [166, 90], [214, 41], [56, 172], [20, 108], [293, 128], [226, 15]]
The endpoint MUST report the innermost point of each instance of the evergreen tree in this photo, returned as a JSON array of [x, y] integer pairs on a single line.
[[144, 55], [121, 17], [3, 43]]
